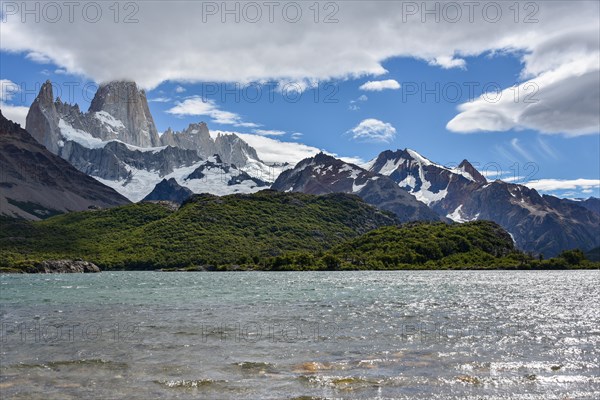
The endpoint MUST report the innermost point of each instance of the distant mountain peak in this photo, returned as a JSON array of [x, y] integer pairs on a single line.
[[322, 158], [323, 174]]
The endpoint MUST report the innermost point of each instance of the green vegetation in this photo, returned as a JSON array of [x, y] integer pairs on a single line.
[[267, 231], [473, 245], [207, 231]]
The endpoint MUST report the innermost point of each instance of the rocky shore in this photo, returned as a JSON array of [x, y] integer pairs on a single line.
[[55, 267]]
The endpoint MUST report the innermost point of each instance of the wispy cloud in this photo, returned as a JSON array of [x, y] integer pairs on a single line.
[[268, 132], [518, 147], [564, 184], [546, 149], [195, 105], [448, 62], [354, 103], [160, 100]]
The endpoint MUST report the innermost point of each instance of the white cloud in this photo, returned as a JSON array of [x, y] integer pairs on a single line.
[[378, 86], [267, 132], [8, 89], [245, 51], [448, 62], [353, 103], [297, 135], [15, 113], [180, 89], [273, 150], [565, 33], [373, 130], [39, 58], [561, 100], [290, 88], [564, 184], [197, 106]]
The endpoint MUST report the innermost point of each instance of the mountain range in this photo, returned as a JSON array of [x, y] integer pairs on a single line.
[[117, 143]]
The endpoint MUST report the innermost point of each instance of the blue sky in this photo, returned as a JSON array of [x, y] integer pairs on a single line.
[[568, 150]]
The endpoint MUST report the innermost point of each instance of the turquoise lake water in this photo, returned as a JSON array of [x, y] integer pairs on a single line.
[[321, 335]]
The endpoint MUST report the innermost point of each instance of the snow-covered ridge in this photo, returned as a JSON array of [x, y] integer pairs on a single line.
[[79, 136], [215, 180], [458, 216], [87, 140], [109, 120], [393, 164]]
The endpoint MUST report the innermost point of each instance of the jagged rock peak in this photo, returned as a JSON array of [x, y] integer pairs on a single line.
[[46, 95], [127, 103], [466, 166], [115, 92], [199, 127], [322, 159]]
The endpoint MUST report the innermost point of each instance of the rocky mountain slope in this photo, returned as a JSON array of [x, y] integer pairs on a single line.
[[540, 224], [325, 174], [230, 148], [35, 184]]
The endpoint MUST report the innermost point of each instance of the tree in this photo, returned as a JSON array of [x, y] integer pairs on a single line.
[[572, 257]]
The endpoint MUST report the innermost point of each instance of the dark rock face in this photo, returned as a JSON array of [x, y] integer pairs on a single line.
[[35, 184], [65, 267], [242, 177], [325, 174], [539, 224], [126, 103], [169, 190], [592, 204], [115, 160]]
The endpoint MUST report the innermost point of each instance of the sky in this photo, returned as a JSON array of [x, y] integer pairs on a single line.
[[512, 87]]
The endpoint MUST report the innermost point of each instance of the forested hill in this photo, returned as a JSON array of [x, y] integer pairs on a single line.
[[263, 231]]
